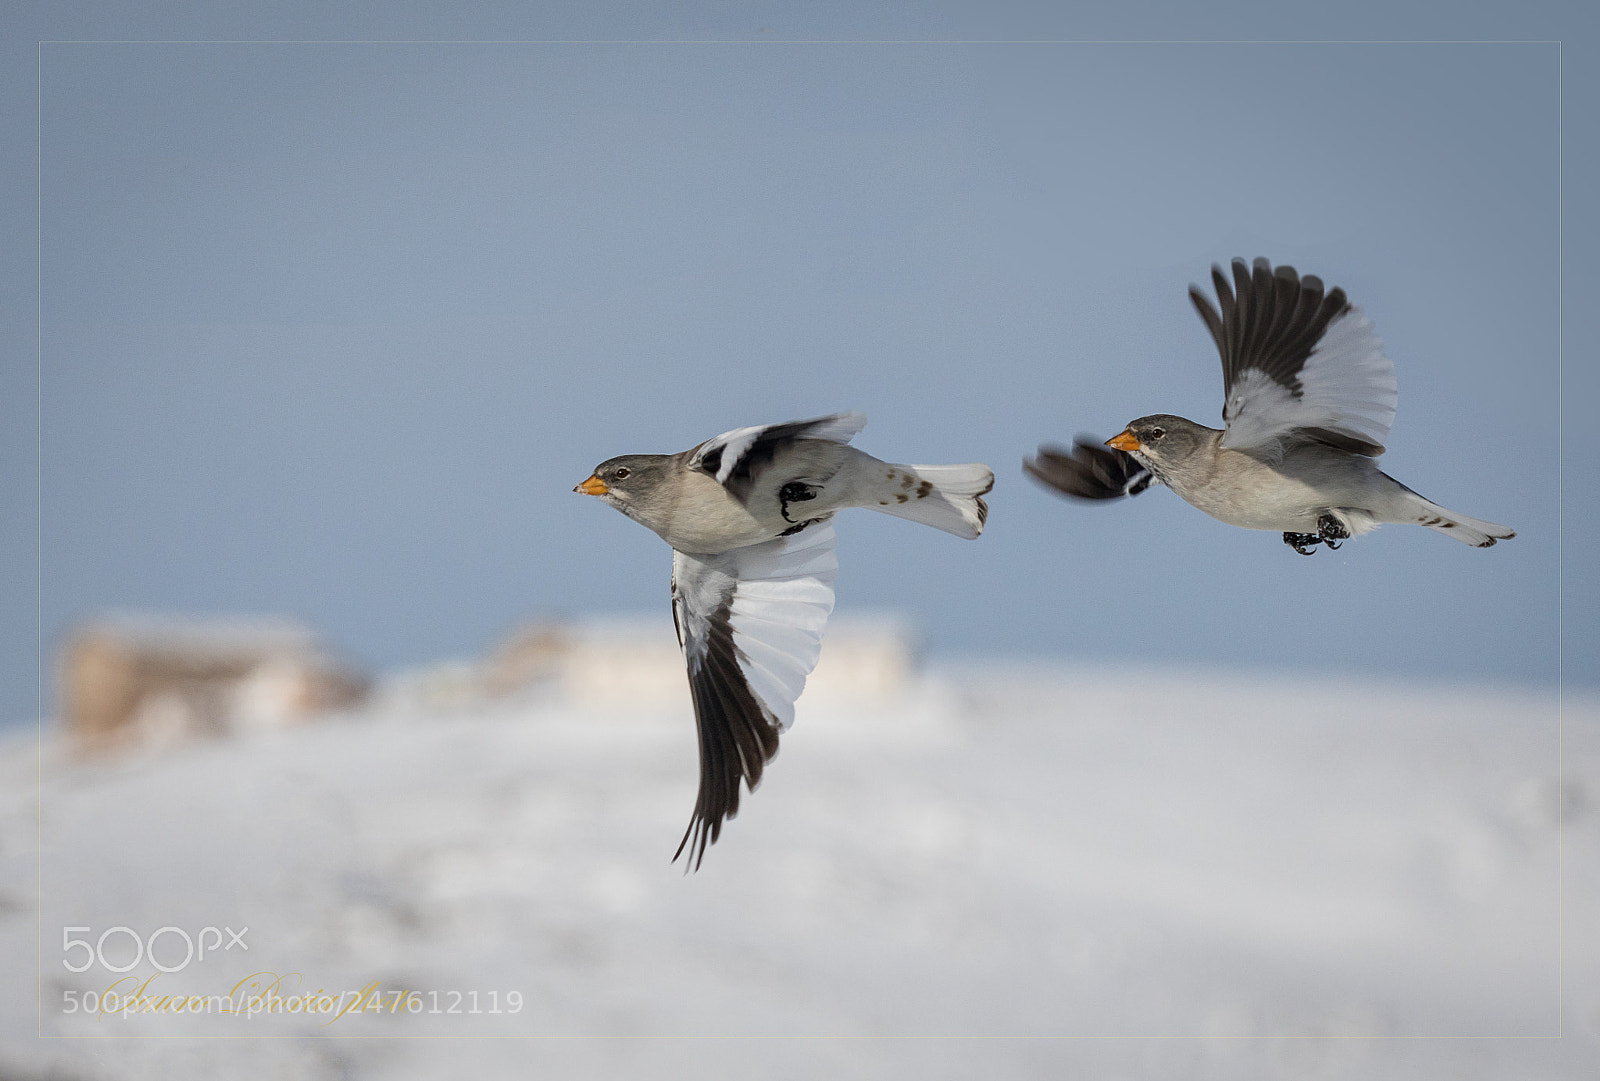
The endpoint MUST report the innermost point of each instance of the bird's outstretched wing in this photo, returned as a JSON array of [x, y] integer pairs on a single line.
[[750, 623], [1296, 359], [736, 459], [1090, 470]]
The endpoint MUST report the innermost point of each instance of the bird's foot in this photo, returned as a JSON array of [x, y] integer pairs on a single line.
[[796, 491], [1332, 530], [1304, 543]]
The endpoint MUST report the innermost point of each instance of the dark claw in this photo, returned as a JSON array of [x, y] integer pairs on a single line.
[[795, 492], [1333, 530], [1304, 543]]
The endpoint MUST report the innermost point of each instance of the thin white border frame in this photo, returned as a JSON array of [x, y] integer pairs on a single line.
[[778, 41]]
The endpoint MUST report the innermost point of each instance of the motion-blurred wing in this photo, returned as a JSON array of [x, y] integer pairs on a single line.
[[1090, 470], [750, 623], [1296, 359], [736, 459]]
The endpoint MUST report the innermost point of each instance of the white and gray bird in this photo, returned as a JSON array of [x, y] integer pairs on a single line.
[[1308, 397], [748, 515]]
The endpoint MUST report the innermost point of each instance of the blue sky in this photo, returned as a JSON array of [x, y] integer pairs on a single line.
[[330, 329]]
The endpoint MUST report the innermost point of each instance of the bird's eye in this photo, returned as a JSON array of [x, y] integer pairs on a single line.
[[1157, 433], [622, 472]]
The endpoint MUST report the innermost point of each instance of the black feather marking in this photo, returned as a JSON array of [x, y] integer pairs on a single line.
[[712, 461]]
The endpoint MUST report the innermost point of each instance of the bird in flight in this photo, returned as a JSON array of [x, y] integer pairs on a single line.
[[749, 518], [1308, 397]]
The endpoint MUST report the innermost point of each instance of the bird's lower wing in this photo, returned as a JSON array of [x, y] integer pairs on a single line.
[[1090, 470], [750, 623]]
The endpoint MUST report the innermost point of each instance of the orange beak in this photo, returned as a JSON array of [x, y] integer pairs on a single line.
[[592, 486], [1124, 440]]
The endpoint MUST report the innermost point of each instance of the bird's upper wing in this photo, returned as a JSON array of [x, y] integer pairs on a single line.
[[736, 459], [1296, 359], [750, 623], [1090, 470]]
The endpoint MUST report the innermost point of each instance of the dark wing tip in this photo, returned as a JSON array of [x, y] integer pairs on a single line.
[[737, 740], [1241, 279], [1345, 440], [697, 852], [1220, 282], [1089, 471], [1207, 310]]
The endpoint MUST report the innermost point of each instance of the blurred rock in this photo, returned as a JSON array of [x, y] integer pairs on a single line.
[[531, 654], [143, 680]]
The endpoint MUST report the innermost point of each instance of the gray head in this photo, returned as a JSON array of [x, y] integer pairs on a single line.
[[1161, 438], [628, 481]]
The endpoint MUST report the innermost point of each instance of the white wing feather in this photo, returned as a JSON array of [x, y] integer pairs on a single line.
[[778, 596], [1347, 385]]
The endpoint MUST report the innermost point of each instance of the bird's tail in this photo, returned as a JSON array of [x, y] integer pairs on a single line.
[[947, 497], [1473, 531]]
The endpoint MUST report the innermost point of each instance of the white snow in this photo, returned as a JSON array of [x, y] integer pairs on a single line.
[[1116, 873]]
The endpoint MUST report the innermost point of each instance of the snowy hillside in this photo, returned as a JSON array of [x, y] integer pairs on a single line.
[[1215, 876]]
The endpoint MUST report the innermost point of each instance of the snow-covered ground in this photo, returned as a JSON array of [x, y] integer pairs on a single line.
[[1116, 873]]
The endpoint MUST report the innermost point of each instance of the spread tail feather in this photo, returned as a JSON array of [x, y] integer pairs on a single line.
[[1473, 531], [947, 497]]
